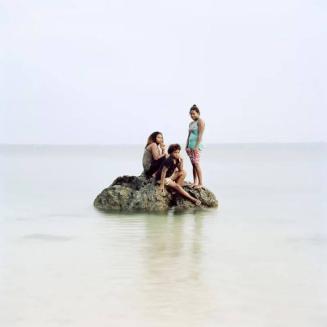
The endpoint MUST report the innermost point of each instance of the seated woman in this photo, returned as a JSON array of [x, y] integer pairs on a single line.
[[154, 154]]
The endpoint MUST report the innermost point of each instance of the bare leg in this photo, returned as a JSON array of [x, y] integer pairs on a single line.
[[181, 177], [199, 174], [181, 191], [195, 177]]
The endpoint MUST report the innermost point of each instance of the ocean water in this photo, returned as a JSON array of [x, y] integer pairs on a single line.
[[259, 260]]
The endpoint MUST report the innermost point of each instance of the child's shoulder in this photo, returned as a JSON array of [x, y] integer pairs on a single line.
[[200, 121]]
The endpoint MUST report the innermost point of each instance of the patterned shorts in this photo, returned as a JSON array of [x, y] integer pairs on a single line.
[[194, 155]]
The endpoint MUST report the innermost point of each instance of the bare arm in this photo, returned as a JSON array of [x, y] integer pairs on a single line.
[[162, 178], [163, 150], [180, 164], [201, 126], [187, 140], [155, 152], [188, 137]]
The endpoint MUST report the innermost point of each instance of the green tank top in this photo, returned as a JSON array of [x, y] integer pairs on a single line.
[[194, 133]]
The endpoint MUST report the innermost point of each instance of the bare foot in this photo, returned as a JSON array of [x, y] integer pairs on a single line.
[[197, 202], [188, 184], [198, 186]]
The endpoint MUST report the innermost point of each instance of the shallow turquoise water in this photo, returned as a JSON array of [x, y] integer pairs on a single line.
[[259, 260]]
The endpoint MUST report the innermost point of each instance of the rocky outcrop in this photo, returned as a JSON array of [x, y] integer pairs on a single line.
[[136, 193]]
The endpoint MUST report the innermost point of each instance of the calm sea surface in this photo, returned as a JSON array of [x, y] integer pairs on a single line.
[[257, 261]]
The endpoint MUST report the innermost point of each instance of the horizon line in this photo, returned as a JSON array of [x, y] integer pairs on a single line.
[[141, 144]]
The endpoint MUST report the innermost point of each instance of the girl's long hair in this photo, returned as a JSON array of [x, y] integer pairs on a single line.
[[152, 138]]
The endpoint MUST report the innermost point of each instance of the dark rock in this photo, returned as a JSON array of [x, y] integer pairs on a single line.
[[136, 193]]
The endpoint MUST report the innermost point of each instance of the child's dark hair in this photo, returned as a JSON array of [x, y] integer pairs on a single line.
[[173, 147], [195, 108]]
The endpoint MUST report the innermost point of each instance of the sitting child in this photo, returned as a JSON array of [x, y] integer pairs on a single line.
[[172, 174]]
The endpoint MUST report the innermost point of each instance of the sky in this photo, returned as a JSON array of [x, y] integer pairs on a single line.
[[112, 72]]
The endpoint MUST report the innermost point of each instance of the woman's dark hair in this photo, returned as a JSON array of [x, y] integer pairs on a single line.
[[173, 147], [152, 138], [195, 108]]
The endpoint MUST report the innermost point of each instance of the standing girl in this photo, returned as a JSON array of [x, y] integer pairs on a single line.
[[194, 144]]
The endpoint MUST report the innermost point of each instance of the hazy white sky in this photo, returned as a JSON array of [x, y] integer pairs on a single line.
[[102, 72]]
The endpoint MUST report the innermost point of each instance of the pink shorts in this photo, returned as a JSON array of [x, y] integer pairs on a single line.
[[194, 155]]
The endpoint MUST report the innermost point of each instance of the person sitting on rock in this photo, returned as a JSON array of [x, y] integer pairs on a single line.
[[154, 154], [172, 174]]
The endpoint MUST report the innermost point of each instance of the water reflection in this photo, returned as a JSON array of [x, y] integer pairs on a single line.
[[173, 281]]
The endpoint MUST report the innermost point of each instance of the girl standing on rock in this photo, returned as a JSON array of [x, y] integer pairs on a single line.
[[194, 144], [154, 154]]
